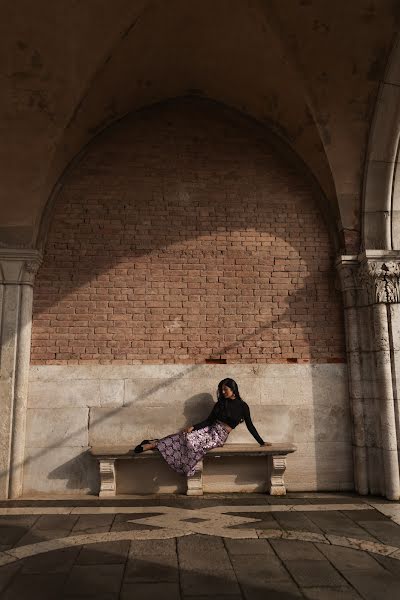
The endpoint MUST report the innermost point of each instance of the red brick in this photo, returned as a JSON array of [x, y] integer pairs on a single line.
[[241, 263]]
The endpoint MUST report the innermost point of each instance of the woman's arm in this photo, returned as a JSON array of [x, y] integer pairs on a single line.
[[250, 426]]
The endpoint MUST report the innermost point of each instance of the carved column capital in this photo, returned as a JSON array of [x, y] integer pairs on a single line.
[[370, 278], [19, 266], [379, 276]]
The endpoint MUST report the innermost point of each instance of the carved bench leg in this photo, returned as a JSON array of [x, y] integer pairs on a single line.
[[195, 482], [108, 486], [277, 484]]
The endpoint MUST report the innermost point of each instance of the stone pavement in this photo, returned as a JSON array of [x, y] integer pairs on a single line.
[[315, 546]]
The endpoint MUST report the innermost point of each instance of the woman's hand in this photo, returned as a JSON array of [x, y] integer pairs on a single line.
[[188, 429]]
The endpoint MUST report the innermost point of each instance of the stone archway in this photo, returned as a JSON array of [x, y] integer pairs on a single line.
[[381, 201], [230, 177], [371, 288]]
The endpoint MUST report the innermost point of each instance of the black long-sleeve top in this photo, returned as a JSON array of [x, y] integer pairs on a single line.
[[231, 412]]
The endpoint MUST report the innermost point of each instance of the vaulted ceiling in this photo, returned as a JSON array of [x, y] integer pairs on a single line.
[[308, 69]]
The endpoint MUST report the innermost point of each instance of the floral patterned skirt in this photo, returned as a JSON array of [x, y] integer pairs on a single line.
[[182, 451]]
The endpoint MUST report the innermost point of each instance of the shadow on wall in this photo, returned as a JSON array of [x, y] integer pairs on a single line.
[[81, 472], [186, 217], [226, 216]]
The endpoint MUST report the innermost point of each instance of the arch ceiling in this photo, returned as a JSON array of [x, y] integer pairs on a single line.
[[310, 73]]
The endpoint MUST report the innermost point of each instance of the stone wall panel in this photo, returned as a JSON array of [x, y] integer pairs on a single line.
[[313, 414]]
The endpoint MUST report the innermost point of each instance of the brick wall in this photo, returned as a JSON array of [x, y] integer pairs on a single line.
[[184, 235]]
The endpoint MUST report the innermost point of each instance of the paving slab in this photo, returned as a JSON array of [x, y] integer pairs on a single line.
[[264, 520], [35, 587], [40, 535], [152, 561], [336, 523], [347, 559], [259, 569], [10, 535], [7, 573], [59, 561], [288, 499], [88, 580], [205, 567], [15, 527], [215, 500], [93, 523], [150, 591], [222, 597], [365, 515], [314, 573], [274, 590], [294, 550], [115, 596], [326, 593], [104, 553], [23, 521], [390, 564], [332, 499], [248, 547], [53, 522], [121, 522], [296, 521], [386, 532], [375, 587]]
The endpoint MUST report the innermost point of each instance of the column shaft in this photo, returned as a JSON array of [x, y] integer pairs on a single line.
[[17, 272]]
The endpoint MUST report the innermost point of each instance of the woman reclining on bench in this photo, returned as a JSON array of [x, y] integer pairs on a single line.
[[182, 451]]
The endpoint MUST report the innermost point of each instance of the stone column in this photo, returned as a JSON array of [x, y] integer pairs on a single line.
[[379, 277], [17, 273], [347, 268]]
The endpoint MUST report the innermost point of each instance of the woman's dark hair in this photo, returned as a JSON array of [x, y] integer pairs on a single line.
[[229, 407], [231, 384]]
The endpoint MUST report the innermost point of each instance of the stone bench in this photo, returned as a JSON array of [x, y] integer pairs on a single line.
[[275, 454]]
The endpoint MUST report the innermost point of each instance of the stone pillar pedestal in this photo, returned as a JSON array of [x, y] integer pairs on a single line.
[[371, 292], [17, 273]]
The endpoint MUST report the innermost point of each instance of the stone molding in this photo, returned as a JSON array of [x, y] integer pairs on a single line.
[[370, 278], [347, 268], [19, 267], [108, 484], [277, 483], [195, 482]]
